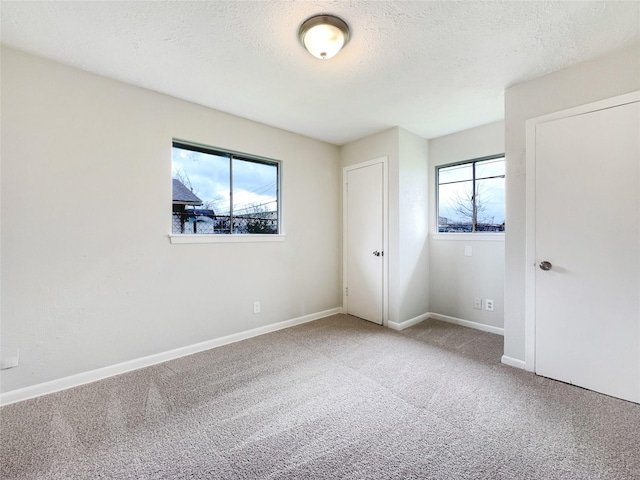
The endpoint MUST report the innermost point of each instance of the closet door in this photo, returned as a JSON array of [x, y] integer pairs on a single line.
[[587, 248], [364, 241]]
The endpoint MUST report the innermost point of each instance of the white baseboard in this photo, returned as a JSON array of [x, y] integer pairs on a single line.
[[71, 381], [468, 323], [514, 362], [445, 318], [407, 323]]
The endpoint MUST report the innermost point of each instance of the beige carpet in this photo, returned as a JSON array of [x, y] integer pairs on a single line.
[[335, 398]]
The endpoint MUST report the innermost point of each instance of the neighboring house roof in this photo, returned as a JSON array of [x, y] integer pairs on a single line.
[[182, 195], [205, 213]]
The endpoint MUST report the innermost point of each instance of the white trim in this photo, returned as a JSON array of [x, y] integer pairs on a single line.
[[588, 108], [530, 243], [530, 236], [408, 323], [514, 362], [385, 234], [128, 366], [467, 323], [233, 238], [470, 237]]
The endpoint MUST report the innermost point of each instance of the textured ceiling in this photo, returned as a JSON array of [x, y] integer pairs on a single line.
[[430, 67]]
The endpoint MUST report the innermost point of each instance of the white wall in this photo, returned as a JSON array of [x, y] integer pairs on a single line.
[[89, 278], [413, 221], [456, 279], [612, 75], [408, 213]]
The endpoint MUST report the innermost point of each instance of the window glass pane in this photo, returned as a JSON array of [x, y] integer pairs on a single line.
[[455, 207], [490, 168], [217, 192], [490, 204], [200, 192], [473, 205], [455, 173], [255, 197]]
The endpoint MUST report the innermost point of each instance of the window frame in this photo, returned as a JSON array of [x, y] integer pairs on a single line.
[[473, 233], [187, 238]]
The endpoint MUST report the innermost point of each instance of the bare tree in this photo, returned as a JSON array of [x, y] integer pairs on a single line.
[[471, 205], [183, 177], [213, 204], [218, 204]]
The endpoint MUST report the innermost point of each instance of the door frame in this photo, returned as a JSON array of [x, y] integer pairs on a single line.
[[385, 234], [530, 212]]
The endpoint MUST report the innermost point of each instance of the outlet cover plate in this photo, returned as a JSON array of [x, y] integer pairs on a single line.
[[488, 304]]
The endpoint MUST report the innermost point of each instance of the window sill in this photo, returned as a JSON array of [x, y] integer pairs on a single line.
[[467, 237], [235, 238]]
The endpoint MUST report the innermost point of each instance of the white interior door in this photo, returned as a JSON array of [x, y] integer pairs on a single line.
[[364, 242], [587, 217]]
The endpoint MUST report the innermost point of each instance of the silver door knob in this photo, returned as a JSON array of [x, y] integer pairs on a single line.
[[376, 253], [544, 265]]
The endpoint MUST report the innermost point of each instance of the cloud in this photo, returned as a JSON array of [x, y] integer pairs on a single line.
[[254, 183]]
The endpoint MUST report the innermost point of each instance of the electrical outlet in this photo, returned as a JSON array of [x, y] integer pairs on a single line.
[[256, 307], [477, 303], [488, 304]]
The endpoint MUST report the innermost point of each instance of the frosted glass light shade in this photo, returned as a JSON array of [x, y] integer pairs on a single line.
[[324, 35], [323, 41]]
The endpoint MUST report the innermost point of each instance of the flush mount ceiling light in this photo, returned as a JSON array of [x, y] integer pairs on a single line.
[[324, 35]]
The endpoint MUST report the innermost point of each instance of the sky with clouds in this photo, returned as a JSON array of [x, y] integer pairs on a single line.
[[254, 184]]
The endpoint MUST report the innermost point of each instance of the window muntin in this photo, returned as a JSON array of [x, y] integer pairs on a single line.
[[470, 196], [224, 192]]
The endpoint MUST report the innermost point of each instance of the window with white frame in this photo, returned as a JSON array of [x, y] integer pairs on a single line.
[[220, 192], [470, 195]]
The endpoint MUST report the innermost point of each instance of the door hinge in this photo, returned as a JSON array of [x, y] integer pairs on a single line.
[[346, 291]]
